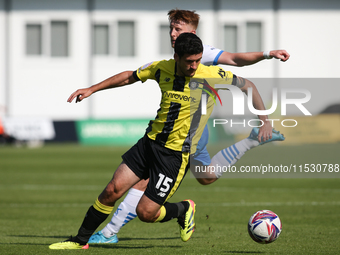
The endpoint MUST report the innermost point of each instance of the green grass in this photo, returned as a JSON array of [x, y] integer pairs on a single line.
[[45, 192]]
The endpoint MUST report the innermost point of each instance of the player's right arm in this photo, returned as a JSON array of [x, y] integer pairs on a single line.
[[118, 80], [215, 56], [250, 58]]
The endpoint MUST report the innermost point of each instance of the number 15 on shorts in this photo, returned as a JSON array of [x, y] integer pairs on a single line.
[[163, 184]]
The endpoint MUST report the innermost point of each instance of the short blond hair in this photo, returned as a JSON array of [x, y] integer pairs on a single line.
[[189, 17]]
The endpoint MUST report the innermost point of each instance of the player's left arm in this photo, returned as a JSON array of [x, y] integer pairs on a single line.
[[249, 58], [265, 131]]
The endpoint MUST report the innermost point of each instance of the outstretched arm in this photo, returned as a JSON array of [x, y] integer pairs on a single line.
[[117, 80], [265, 131], [249, 58]]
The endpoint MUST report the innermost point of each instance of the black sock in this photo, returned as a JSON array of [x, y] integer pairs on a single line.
[[174, 210], [92, 221]]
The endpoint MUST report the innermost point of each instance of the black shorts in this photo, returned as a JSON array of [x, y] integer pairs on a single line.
[[166, 168]]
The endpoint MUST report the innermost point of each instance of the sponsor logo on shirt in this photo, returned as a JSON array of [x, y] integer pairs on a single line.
[[178, 96]]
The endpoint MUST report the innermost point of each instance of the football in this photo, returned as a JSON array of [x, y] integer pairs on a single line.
[[264, 226]]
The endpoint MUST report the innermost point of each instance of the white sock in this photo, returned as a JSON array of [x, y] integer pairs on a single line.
[[125, 212], [229, 156]]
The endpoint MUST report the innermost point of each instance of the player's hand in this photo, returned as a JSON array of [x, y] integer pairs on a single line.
[[80, 94], [265, 132], [283, 55]]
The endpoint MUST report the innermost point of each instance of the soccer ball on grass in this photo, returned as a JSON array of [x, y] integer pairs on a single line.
[[264, 226]]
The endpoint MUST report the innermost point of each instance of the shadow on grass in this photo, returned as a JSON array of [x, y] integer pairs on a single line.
[[118, 246], [120, 239], [243, 252], [60, 237], [133, 247], [151, 238], [105, 246], [35, 236]]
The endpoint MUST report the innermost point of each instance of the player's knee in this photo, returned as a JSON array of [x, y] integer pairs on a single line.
[[206, 181], [144, 215], [112, 191]]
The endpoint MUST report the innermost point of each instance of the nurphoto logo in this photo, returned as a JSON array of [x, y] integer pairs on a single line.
[[238, 104]]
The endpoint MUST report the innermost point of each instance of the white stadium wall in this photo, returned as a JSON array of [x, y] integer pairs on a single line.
[[2, 58], [309, 30], [40, 85]]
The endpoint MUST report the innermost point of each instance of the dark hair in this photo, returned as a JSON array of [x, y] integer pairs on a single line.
[[188, 43]]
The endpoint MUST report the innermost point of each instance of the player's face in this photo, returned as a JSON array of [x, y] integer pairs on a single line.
[[188, 64], [177, 28]]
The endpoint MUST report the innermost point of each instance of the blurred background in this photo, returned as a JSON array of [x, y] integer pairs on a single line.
[[50, 48]]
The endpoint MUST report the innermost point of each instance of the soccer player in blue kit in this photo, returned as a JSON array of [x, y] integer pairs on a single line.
[[182, 21]]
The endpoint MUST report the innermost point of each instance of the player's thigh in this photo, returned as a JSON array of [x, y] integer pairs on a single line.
[[200, 166], [141, 185], [201, 157], [123, 179]]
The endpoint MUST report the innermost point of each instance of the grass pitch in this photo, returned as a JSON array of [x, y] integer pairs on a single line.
[[45, 192]]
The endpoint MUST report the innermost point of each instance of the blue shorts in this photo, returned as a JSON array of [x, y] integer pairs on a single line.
[[201, 156]]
